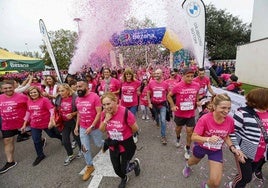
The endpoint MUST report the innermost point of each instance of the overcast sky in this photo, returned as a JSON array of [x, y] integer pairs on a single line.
[[20, 28]]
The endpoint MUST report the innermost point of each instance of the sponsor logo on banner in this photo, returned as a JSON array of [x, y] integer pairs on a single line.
[[193, 9]]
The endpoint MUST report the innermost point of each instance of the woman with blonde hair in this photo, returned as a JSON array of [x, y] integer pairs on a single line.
[[120, 124], [210, 132], [65, 103], [130, 89], [40, 113]]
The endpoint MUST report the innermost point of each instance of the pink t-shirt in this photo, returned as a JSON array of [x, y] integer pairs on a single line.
[[86, 107], [39, 112], [13, 110], [158, 91], [207, 127], [114, 85], [225, 77], [117, 128], [262, 145], [204, 82], [186, 98], [66, 107], [92, 85], [129, 95], [171, 83], [143, 97]]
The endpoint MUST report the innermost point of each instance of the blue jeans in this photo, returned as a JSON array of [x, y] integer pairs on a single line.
[[133, 109], [85, 143], [160, 118], [37, 138]]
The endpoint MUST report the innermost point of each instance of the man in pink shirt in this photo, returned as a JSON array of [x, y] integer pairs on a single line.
[[13, 108], [157, 100], [204, 83], [88, 106], [186, 93]]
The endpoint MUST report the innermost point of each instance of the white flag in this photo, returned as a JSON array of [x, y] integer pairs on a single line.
[[195, 16], [43, 31]]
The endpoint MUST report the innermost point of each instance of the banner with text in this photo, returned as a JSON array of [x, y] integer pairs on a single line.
[[195, 17]]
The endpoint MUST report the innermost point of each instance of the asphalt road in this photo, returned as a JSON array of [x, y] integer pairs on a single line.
[[161, 166]]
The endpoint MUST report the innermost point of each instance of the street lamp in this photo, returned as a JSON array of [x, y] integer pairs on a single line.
[[77, 20], [26, 44]]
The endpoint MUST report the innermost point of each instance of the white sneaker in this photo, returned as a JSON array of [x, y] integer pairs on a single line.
[[79, 155], [74, 144], [143, 117], [135, 138], [187, 153], [177, 144], [147, 117], [68, 160]]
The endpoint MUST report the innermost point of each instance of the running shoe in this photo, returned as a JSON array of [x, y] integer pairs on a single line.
[[204, 184], [258, 175], [164, 140], [177, 144], [8, 166], [230, 184], [123, 182], [143, 117], [38, 160], [187, 153], [147, 117], [68, 160], [79, 154], [186, 172], [137, 169], [135, 137], [74, 144]]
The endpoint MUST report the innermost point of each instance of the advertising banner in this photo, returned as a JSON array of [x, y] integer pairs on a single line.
[[44, 33], [195, 17]]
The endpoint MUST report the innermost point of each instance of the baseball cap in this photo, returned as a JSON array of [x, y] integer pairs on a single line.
[[187, 71]]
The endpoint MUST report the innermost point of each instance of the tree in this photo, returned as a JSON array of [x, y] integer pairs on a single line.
[[63, 45], [29, 54], [223, 33]]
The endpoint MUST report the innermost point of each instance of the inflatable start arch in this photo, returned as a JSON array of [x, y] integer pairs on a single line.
[[160, 35]]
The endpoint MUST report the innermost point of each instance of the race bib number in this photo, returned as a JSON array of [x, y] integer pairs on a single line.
[[217, 145], [115, 135], [157, 94], [127, 98], [186, 106]]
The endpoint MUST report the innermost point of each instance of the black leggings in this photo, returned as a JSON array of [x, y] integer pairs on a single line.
[[245, 171], [68, 128], [121, 161]]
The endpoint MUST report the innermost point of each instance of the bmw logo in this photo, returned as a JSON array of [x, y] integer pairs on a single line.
[[193, 9]]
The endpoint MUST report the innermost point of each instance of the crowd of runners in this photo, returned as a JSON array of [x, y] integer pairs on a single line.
[[91, 103]]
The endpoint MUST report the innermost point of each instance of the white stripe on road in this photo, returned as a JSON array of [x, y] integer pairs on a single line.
[[103, 167]]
